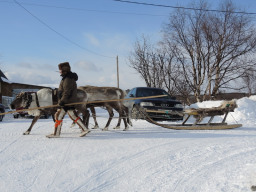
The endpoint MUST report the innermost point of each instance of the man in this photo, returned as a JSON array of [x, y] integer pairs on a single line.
[[67, 93]]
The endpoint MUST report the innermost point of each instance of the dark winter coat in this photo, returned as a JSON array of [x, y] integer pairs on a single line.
[[67, 91]]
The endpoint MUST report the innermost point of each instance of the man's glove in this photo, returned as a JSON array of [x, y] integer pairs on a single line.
[[61, 104]]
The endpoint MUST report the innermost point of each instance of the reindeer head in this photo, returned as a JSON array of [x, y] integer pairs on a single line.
[[22, 100]]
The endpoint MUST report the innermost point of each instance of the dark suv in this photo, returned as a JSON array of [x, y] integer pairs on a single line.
[[162, 108], [2, 110]]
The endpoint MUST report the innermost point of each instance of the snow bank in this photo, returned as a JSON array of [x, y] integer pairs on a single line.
[[245, 113]]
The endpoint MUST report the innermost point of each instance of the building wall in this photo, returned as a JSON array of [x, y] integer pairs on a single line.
[[7, 88]]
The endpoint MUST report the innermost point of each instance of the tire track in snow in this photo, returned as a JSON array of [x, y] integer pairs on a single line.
[[20, 135], [193, 178], [63, 160], [9, 145], [118, 167], [12, 147], [174, 157]]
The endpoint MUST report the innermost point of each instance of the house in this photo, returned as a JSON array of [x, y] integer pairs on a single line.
[[9, 89]]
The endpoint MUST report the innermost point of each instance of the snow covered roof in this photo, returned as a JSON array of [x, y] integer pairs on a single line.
[[3, 78], [2, 75]]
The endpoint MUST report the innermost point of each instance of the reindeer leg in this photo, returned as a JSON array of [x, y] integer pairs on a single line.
[[96, 126], [120, 112], [72, 124], [86, 118], [125, 122], [124, 113], [129, 121], [32, 124], [111, 115], [53, 117], [119, 122]]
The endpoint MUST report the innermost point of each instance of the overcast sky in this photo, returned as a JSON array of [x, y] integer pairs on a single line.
[[36, 35]]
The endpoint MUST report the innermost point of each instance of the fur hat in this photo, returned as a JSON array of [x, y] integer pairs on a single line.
[[65, 67]]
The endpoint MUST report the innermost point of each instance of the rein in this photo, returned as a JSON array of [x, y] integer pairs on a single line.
[[37, 101], [84, 103]]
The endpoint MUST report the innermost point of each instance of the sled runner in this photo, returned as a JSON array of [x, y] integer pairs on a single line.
[[199, 114]]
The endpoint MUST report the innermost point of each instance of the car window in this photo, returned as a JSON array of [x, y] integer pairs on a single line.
[[132, 92], [151, 92], [128, 94]]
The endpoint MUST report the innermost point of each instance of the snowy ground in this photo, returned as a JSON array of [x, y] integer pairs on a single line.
[[145, 158]]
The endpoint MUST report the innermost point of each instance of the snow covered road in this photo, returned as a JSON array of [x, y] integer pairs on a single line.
[[145, 158]]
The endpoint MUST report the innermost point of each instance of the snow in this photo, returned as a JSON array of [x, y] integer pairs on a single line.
[[5, 80], [145, 158]]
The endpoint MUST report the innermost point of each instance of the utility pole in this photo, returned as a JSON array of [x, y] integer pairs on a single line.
[[117, 67]]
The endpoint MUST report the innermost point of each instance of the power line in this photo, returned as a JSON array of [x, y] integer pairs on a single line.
[[180, 7], [58, 33], [84, 10]]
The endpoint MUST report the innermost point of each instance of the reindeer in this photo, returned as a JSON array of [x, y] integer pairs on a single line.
[[44, 97], [47, 96], [107, 93]]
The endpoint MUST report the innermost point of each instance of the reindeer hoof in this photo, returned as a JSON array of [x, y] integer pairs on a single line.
[[126, 129], [72, 125], [117, 127], [95, 127], [105, 129], [26, 133]]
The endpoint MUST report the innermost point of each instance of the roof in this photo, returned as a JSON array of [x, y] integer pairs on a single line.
[[2, 76], [147, 88]]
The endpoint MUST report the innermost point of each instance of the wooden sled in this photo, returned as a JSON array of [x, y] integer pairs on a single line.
[[199, 115]]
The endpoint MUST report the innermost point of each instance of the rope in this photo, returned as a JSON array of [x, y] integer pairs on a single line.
[[79, 103]]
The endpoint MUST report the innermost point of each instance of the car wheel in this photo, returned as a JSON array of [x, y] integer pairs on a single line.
[[135, 114]]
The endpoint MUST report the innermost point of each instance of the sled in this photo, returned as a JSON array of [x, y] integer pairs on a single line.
[[199, 115]]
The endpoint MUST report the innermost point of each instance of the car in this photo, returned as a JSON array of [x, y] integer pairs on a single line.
[[165, 108], [2, 110]]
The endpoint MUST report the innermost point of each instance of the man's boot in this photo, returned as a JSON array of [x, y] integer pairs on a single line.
[[57, 129]]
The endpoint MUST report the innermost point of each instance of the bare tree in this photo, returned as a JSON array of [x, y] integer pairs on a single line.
[[158, 68], [140, 60], [147, 62], [210, 48], [249, 79], [201, 52]]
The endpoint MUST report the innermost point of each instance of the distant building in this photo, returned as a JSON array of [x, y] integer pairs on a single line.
[[8, 89]]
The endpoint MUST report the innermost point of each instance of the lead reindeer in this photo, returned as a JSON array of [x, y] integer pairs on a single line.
[[44, 97]]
